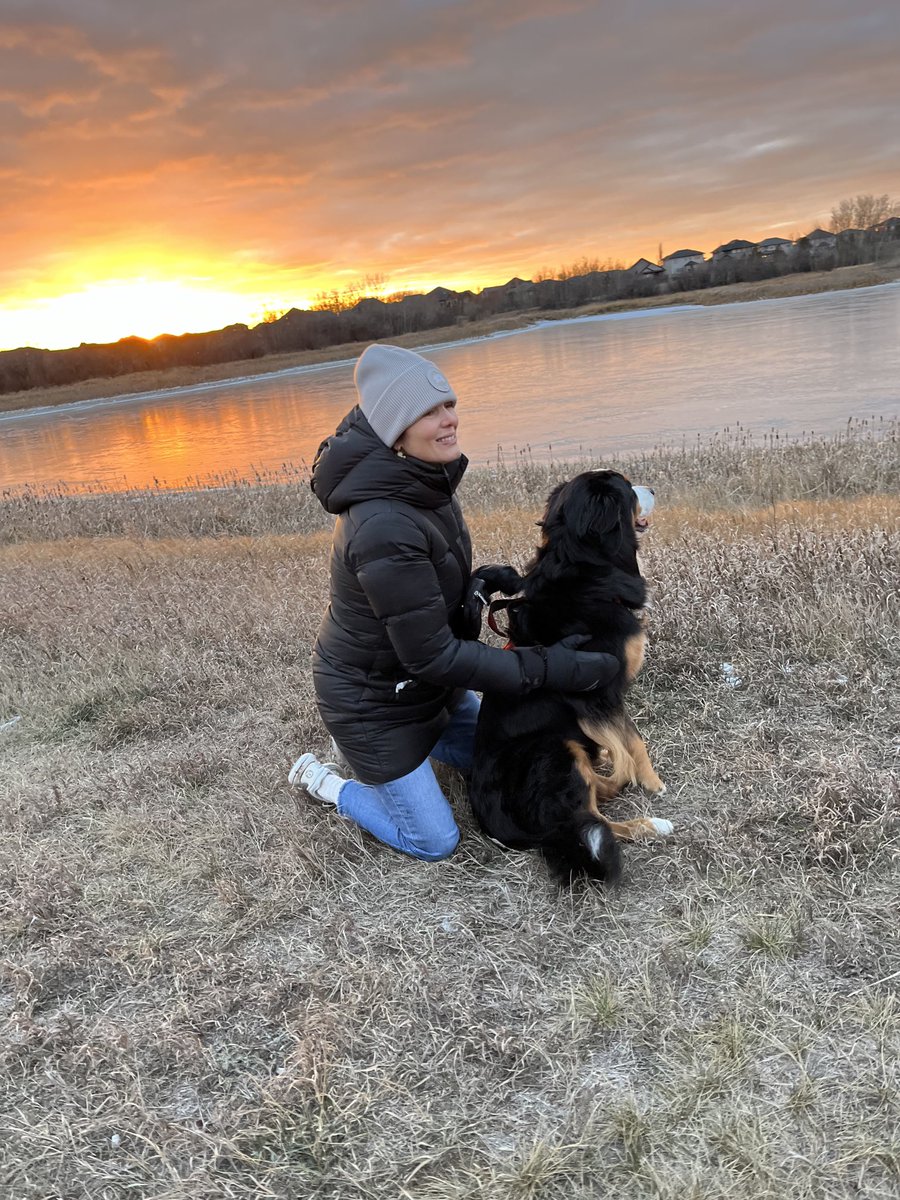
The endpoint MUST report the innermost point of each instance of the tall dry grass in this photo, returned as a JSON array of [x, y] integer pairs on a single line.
[[732, 469], [210, 988]]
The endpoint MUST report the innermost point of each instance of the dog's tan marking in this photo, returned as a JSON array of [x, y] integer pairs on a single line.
[[597, 785], [623, 754], [635, 649], [629, 831], [612, 755], [639, 830], [640, 756], [584, 767]]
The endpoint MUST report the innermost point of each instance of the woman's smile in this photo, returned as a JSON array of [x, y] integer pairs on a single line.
[[433, 437]]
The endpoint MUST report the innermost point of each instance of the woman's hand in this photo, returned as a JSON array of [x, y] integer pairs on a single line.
[[562, 667], [484, 582]]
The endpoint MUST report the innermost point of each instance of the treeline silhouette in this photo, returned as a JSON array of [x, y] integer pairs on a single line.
[[372, 319]]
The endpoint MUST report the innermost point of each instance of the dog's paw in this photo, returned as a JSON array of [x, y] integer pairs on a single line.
[[655, 787], [663, 828]]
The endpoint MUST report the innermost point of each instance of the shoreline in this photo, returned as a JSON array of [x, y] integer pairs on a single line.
[[293, 481], [141, 384]]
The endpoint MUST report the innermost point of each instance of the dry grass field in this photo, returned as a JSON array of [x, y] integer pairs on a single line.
[[211, 988]]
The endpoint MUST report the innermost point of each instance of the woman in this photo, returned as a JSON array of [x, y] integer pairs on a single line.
[[392, 672]]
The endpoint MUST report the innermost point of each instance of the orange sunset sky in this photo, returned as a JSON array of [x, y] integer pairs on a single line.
[[174, 165]]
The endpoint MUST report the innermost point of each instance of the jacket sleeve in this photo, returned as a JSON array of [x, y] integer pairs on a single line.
[[394, 568]]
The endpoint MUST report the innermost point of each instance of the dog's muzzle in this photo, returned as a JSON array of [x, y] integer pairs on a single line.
[[646, 501]]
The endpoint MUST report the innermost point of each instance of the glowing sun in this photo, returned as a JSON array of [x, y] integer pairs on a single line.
[[107, 311]]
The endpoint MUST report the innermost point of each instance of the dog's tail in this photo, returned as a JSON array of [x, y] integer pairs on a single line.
[[586, 847]]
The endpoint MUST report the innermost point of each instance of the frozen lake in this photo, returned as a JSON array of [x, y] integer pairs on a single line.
[[593, 386]]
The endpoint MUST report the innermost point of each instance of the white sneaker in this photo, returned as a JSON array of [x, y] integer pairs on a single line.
[[318, 779], [340, 762]]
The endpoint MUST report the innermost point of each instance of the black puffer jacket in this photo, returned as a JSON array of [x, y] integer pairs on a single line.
[[387, 661]]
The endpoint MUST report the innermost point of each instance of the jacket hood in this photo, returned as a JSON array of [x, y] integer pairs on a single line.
[[354, 465]]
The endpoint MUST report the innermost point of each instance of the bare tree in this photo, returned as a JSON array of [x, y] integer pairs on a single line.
[[268, 315], [584, 266], [859, 212], [340, 300]]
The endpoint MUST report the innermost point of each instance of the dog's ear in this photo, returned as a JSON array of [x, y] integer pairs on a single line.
[[578, 512], [599, 516], [554, 511]]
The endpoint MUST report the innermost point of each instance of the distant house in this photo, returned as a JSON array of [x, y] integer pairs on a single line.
[[891, 227], [515, 293], [821, 239], [415, 301], [445, 300], [679, 260], [771, 246], [851, 235], [441, 295], [370, 306], [736, 248], [643, 266], [504, 291]]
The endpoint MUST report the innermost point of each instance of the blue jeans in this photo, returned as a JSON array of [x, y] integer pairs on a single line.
[[411, 813]]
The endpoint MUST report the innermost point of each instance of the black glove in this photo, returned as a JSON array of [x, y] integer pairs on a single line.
[[563, 668], [482, 585]]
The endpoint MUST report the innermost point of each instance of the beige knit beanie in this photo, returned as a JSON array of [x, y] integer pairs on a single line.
[[396, 387]]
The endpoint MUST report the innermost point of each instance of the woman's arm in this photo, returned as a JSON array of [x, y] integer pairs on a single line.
[[392, 563]]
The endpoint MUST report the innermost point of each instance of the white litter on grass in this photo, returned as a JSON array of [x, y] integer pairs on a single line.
[[730, 676], [4, 725]]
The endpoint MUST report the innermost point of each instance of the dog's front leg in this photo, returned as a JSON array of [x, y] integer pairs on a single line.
[[637, 748]]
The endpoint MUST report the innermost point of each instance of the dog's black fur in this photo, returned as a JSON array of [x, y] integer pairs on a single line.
[[531, 785]]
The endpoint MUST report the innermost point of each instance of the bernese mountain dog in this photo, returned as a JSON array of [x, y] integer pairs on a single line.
[[547, 761]]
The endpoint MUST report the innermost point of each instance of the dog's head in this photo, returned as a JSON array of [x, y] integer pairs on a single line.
[[598, 514]]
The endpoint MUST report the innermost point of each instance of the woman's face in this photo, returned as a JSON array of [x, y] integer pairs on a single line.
[[433, 437]]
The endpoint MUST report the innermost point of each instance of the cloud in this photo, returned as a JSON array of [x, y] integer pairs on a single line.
[[435, 139]]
